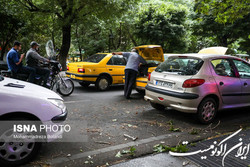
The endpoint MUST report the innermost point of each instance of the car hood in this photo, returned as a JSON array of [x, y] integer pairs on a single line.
[[151, 52], [17, 87]]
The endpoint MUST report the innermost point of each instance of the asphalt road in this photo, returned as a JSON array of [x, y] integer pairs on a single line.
[[107, 116]]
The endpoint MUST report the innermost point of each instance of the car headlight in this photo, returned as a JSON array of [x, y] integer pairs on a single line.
[[58, 103]]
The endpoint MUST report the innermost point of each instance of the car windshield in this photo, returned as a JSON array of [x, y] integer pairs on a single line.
[[181, 65], [152, 63], [96, 58]]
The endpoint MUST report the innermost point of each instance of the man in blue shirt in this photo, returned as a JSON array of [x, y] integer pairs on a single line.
[[14, 61], [131, 69]]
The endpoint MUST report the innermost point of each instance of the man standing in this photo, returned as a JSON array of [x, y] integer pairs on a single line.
[[131, 69], [32, 60], [14, 61]]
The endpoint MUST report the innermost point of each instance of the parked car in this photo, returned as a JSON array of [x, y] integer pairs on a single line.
[[23, 101], [200, 83], [102, 69], [3, 65], [153, 54]]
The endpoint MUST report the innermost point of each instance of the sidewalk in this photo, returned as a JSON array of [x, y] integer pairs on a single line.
[[158, 160], [228, 150]]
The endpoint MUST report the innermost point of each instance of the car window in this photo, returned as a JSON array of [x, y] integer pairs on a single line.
[[117, 60], [223, 67], [243, 68], [96, 58], [182, 65]]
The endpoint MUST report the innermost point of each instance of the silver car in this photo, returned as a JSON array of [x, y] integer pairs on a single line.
[[201, 84], [24, 103]]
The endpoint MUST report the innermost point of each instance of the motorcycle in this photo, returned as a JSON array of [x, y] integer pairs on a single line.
[[56, 82]]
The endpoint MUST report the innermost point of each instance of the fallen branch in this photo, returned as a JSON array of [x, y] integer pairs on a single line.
[[131, 137], [102, 142]]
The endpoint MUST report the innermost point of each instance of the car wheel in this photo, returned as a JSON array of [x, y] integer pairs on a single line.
[[102, 83], [207, 110], [18, 152], [157, 106], [65, 88], [140, 91], [84, 84]]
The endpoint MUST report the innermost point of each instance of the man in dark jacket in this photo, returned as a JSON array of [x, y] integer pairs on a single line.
[[33, 60]]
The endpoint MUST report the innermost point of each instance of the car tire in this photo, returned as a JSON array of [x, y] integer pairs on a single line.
[[102, 83], [26, 151], [140, 91], [84, 84], [157, 106], [207, 111]]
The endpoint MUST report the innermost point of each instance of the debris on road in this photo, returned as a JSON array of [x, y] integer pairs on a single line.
[[131, 137], [130, 151], [118, 155], [94, 130], [102, 142], [185, 163]]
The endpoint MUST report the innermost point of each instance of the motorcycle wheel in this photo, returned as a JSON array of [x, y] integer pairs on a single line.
[[63, 89]]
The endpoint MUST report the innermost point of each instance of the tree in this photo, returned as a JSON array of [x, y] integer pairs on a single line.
[[224, 11], [11, 26], [9, 30], [67, 12], [162, 24], [222, 34]]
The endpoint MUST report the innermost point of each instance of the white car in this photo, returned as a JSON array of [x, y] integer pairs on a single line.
[[23, 101]]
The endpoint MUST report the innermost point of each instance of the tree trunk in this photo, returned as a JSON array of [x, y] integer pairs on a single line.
[[131, 36], [66, 40]]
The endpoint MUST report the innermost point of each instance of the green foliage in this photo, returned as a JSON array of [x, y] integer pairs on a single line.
[[223, 34], [163, 24], [226, 11], [194, 131], [164, 148], [130, 151], [172, 128]]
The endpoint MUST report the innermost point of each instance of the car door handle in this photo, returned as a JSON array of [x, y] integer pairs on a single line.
[[245, 84], [110, 69], [221, 83]]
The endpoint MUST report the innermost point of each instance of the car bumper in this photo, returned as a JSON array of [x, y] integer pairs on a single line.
[[184, 102], [56, 121], [82, 77]]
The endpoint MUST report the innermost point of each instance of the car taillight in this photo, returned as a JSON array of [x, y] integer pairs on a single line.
[[190, 83], [82, 70], [67, 68], [149, 76]]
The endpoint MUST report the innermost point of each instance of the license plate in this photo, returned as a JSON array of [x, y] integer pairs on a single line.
[[165, 84], [72, 76]]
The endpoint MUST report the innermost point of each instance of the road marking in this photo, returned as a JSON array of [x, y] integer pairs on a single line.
[[112, 148], [75, 101]]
